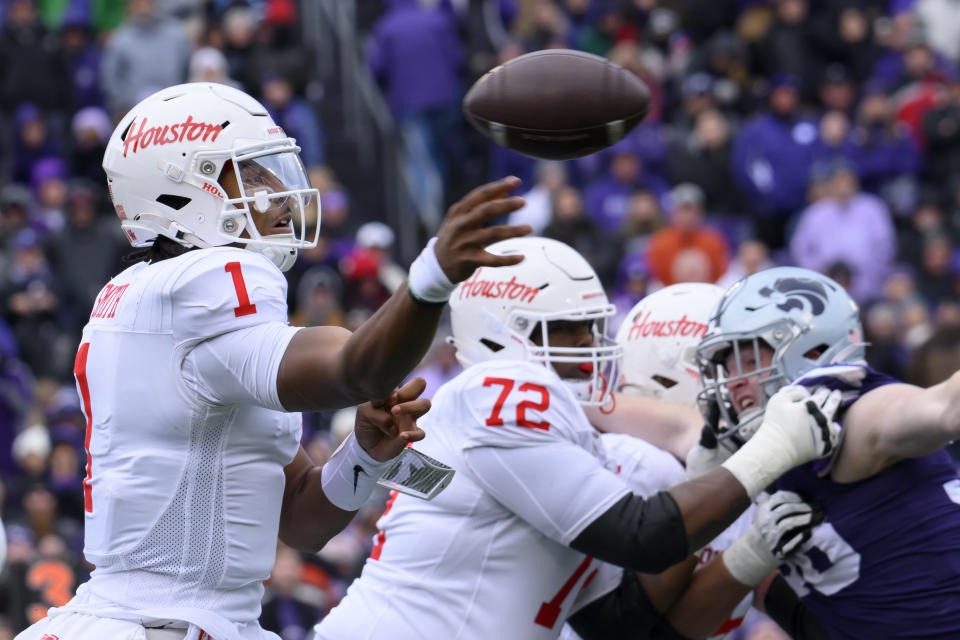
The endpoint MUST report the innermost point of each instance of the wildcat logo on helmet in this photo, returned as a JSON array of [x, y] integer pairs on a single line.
[[790, 293], [169, 133], [508, 290]]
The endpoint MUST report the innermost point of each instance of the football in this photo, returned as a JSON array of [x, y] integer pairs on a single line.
[[557, 104]]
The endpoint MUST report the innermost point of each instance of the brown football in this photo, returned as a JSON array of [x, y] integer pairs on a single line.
[[557, 103]]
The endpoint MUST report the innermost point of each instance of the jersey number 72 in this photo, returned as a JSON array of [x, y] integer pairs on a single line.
[[494, 419]]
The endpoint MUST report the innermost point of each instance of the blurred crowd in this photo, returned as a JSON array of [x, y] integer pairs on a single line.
[[820, 133]]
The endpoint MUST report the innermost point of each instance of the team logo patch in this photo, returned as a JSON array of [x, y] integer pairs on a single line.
[[797, 293]]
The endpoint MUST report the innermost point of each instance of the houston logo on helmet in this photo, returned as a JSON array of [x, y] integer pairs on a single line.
[[508, 289], [141, 138]]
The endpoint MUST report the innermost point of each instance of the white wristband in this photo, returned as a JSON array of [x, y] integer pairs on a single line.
[[758, 463], [427, 281], [350, 475], [748, 559]]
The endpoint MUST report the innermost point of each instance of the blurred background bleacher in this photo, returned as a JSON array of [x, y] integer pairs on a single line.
[[823, 133]]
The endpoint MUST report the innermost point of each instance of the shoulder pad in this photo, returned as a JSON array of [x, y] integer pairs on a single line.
[[226, 289]]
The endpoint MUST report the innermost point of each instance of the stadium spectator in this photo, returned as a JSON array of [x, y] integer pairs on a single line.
[[571, 226], [851, 226], [702, 157], [941, 129], [145, 53], [771, 159], [686, 244], [606, 197], [31, 66], [416, 55], [538, 210], [297, 117]]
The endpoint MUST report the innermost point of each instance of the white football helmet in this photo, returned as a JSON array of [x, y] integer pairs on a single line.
[[659, 338], [495, 313], [164, 163]]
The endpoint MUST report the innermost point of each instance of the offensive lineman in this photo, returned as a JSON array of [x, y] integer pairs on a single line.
[[190, 377], [885, 560], [505, 549]]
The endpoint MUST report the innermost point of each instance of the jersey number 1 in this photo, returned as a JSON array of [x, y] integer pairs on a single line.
[[243, 308], [80, 372]]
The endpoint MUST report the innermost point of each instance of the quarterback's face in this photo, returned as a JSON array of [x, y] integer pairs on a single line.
[[272, 215], [745, 392]]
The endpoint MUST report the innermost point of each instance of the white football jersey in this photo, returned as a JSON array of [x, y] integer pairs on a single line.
[[186, 438], [488, 558], [647, 470]]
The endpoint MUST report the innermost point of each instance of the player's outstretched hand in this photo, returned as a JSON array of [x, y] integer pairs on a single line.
[[385, 427], [462, 238], [785, 522]]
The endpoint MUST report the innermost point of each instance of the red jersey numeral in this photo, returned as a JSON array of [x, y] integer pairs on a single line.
[[382, 535], [80, 373], [550, 611], [543, 405], [494, 419], [243, 308]]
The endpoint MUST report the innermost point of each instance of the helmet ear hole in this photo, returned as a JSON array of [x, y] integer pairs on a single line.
[[816, 352], [490, 344], [664, 381], [173, 201]]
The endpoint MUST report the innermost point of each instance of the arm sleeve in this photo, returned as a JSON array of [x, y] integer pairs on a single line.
[[642, 534], [787, 610], [623, 614], [239, 367]]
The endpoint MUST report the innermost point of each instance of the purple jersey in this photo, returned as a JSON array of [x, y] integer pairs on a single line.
[[885, 563]]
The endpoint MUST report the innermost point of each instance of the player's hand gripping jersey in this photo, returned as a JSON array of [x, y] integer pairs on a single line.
[[488, 558], [186, 438]]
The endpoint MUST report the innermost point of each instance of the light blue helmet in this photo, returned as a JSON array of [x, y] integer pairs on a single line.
[[807, 319]]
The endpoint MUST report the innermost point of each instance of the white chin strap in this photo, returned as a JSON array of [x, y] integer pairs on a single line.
[[283, 257]]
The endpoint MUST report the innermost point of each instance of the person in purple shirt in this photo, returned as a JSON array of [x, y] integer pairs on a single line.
[[848, 226], [877, 546], [416, 55], [606, 197], [771, 160]]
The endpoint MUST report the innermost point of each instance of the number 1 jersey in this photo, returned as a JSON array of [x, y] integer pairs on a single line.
[[186, 438]]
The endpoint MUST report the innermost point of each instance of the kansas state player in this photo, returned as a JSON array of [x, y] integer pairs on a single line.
[[536, 502], [190, 376], [885, 561], [659, 383]]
